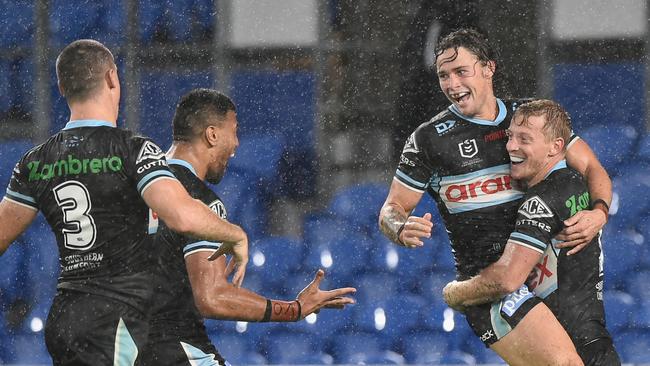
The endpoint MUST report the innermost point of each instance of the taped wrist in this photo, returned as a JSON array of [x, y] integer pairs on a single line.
[[282, 311]]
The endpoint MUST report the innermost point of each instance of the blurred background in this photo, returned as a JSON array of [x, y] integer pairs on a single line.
[[327, 92]]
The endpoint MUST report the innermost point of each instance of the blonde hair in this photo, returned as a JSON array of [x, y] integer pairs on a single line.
[[557, 123]]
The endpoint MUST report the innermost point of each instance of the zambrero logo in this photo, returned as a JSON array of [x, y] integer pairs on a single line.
[[73, 166]]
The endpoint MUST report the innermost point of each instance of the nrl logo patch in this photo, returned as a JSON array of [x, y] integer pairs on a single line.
[[534, 208], [149, 151], [468, 148], [410, 146]]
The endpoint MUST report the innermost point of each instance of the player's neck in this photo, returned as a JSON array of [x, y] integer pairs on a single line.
[[188, 152], [545, 171], [92, 110]]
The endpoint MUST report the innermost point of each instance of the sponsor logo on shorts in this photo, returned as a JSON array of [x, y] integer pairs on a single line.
[[512, 302], [487, 335]]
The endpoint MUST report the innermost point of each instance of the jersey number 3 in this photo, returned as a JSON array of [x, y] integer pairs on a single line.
[[79, 232]]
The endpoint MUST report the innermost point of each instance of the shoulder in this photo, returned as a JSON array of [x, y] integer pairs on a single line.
[[439, 125], [513, 103]]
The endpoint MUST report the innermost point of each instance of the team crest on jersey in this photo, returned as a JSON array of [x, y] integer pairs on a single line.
[[218, 207], [149, 151], [534, 208], [410, 146], [445, 126], [468, 148]]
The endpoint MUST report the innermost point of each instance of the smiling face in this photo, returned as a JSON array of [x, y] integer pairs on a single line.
[[467, 82], [532, 153]]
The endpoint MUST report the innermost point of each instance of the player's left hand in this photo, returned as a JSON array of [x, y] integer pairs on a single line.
[[580, 229], [239, 251], [450, 299], [312, 298]]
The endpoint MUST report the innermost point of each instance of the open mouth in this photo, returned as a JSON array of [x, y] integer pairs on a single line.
[[514, 160], [459, 97]]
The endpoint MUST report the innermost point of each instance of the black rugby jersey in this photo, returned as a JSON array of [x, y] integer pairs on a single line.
[[571, 286], [463, 164], [174, 314], [88, 180]]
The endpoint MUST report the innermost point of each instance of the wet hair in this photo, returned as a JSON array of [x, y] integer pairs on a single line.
[[557, 122], [473, 40], [80, 68], [197, 110]]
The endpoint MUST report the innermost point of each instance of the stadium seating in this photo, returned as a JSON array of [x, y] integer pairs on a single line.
[[619, 308], [633, 345], [611, 155], [240, 192], [16, 23], [73, 19], [345, 346], [295, 348], [237, 349], [359, 205]]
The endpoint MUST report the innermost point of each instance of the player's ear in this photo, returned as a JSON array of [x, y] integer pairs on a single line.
[[111, 78], [489, 69], [557, 146], [212, 135]]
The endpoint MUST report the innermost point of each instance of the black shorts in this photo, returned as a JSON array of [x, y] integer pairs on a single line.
[[491, 322], [599, 352], [87, 329], [177, 352]]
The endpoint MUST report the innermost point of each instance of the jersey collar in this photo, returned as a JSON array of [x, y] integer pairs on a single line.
[[182, 163], [500, 116], [87, 123], [559, 165]]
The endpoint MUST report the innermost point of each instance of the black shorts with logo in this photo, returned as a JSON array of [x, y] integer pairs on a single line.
[[491, 322], [98, 330], [174, 352]]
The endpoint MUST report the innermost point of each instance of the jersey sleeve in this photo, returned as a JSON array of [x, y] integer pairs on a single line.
[[203, 245], [572, 140], [536, 224], [148, 163], [414, 170], [19, 190]]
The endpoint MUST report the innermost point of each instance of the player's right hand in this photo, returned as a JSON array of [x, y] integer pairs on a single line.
[[312, 298], [239, 252], [414, 230]]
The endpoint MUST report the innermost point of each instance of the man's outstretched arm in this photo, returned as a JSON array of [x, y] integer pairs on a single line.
[[496, 281]]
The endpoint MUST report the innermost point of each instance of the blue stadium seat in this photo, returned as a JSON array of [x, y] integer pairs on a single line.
[[320, 229], [432, 285], [426, 347], [28, 349], [346, 346], [458, 358], [244, 203], [386, 357], [295, 348], [237, 348], [341, 258], [402, 315], [633, 345], [112, 23], [150, 18], [280, 258], [627, 209], [621, 251], [376, 288], [592, 94], [22, 82], [6, 92], [73, 19], [600, 138], [16, 23], [359, 204], [14, 284], [259, 155], [619, 307], [643, 147], [10, 153], [160, 93]]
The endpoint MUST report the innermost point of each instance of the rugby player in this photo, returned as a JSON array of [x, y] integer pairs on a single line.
[[189, 286], [94, 183], [460, 158], [555, 192]]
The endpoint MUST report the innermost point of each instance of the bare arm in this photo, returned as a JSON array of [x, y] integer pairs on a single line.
[[395, 222], [585, 225], [216, 298], [14, 220], [185, 215], [494, 282]]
